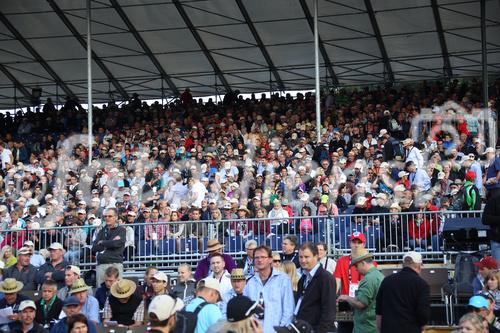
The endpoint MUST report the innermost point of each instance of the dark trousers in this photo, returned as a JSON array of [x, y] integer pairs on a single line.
[[345, 327]]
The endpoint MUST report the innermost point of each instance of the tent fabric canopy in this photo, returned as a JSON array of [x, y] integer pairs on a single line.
[[251, 45]]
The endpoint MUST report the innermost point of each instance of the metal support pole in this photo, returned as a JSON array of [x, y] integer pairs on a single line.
[[270, 83], [484, 62], [316, 73], [57, 96], [162, 92], [89, 78]]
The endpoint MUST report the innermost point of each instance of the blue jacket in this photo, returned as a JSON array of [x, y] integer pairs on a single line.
[[62, 327], [278, 298]]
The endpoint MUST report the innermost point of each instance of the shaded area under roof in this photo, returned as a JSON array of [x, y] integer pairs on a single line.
[[161, 47]]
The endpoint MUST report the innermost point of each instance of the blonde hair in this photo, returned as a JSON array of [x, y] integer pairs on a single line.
[[242, 326], [476, 321], [290, 269]]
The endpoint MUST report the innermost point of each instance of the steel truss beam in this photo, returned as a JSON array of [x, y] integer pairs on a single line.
[[18, 85], [322, 50], [201, 44], [36, 55], [380, 41], [145, 47], [82, 41]]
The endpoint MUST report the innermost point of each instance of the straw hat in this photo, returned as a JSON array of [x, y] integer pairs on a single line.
[[123, 288], [78, 286], [244, 208], [238, 274], [10, 286], [214, 245]]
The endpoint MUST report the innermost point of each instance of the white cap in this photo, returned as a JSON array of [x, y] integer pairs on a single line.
[[27, 304], [164, 306], [415, 257], [74, 269], [56, 246], [29, 243], [401, 174], [489, 150], [160, 276], [212, 284]]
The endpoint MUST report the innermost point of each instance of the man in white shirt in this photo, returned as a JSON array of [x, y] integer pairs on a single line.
[[219, 272], [412, 153], [6, 156]]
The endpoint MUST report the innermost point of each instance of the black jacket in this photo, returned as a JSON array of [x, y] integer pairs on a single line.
[[318, 301], [403, 302], [52, 315], [27, 275], [109, 250], [294, 257], [57, 273], [16, 327], [491, 216]]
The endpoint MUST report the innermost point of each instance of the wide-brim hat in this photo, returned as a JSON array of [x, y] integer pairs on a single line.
[[244, 208], [10, 286], [123, 288], [238, 274], [78, 286], [214, 245], [364, 256]]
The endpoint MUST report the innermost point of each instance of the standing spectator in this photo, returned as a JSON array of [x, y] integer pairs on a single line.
[[491, 218], [90, 306], [102, 293], [403, 299], [327, 263], [49, 306], [26, 322], [365, 298], [124, 305], [219, 272], [186, 285], [53, 270], [162, 313], [412, 153], [316, 296], [207, 295], [273, 287], [203, 268], [23, 271], [238, 284], [109, 245], [492, 183], [289, 247], [246, 262]]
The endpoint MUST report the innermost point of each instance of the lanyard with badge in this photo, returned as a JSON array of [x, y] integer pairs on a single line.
[[353, 287]]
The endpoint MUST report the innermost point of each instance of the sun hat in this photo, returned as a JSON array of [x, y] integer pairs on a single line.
[[78, 286], [24, 251], [123, 288], [214, 245], [164, 306], [10, 286], [238, 274]]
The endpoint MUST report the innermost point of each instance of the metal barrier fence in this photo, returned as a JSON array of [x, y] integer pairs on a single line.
[[168, 244]]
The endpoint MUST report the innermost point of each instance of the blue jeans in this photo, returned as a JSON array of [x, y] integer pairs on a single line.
[[495, 250]]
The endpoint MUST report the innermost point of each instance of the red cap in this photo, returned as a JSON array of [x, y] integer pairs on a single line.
[[487, 262], [359, 236], [470, 175]]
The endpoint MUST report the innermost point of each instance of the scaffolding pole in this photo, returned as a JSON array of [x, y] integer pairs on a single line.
[[89, 79], [484, 63], [316, 73]]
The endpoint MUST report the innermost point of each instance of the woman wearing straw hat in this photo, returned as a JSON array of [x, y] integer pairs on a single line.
[[124, 305]]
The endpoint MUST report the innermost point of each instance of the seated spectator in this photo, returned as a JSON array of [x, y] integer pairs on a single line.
[[7, 256], [36, 259], [78, 323], [185, 287], [160, 284], [55, 269], [162, 313], [11, 288], [26, 321], [486, 266], [49, 306], [71, 275], [71, 308], [23, 271], [124, 305], [90, 306], [213, 247], [111, 276]]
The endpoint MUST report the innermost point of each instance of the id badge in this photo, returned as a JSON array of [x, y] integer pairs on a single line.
[[353, 287]]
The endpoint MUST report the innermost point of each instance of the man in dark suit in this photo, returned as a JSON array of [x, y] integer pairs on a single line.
[[316, 295], [403, 299]]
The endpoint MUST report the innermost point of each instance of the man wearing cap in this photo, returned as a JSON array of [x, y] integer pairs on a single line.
[[124, 305], [485, 266], [71, 307], [403, 299], [162, 313], [316, 293], [23, 271], [238, 283], [246, 263], [36, 259], [477, 306], [160, 284], [90, 305], [412, 153], [109, 245], [11, 288], [271, 287], [208, 294], [364, 300], [53, 270], [203, 268], [26, 322]]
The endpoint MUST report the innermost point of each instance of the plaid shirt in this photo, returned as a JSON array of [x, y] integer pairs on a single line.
[[138, 314], [161, 230]]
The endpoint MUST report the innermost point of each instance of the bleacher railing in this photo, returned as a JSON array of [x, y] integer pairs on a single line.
[[168, 244]]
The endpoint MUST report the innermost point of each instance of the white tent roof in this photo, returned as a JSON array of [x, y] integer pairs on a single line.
[[241, 44]]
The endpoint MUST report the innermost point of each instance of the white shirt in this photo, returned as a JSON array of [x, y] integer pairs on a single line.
[[199, 191], [6, 157], [414, 155]]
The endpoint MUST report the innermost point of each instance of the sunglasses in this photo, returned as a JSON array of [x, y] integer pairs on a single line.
[[276, 260]]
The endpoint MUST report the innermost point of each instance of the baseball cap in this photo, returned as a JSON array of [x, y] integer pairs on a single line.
[[160, 276], [74, 269], [56, 246], [296, 326], [29, 243], [489, 150], [27, 304], [478, 302], [212, 284], [72, 300], [415, 257], [164, 306], [359, 236], [241, 307], [24, 250], [487, 262]]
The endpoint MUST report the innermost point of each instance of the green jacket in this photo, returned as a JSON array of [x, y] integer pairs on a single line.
[[364, 320]]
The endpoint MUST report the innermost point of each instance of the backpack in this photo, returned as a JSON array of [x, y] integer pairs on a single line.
[[186, 321]]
